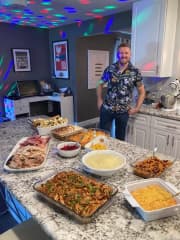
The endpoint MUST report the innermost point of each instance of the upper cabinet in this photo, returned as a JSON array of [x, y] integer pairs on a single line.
[[153, 36]]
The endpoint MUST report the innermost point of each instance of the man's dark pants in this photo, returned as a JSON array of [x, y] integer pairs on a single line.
[[121, 119]]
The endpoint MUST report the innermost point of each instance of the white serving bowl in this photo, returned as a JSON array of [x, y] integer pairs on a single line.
[[103, 162], [68, 153]]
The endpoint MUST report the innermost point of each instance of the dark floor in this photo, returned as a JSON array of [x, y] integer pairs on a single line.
[[6, 222]]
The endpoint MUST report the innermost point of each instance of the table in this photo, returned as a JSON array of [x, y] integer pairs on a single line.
[[118, 222]]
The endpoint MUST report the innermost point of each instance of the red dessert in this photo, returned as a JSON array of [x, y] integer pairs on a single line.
[[69, 147]]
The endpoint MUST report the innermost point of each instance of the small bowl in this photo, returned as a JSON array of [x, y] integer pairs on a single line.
[[68, 152], [102, 156]]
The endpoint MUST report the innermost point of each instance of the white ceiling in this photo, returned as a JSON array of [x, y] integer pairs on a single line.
[[54, 13]]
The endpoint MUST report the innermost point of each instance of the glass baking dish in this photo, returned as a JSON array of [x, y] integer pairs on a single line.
[[66, 209], [152, 166]]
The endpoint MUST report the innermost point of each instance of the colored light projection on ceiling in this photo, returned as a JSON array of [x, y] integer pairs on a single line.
[[142, 17], [108, 25], [53, 13]]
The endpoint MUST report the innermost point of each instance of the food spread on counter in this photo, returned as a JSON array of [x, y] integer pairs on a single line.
[[49, 122], [151, 167], [153, 197], [30, 153], [77, 192]]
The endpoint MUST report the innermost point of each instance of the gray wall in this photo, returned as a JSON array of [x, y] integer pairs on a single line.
[[73, 32], [36, 40], [86, 98]]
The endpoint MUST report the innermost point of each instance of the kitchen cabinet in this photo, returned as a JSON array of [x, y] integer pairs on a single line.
[[149, 131], [153, 36], [161, 139], [138, 130], [165, 134]]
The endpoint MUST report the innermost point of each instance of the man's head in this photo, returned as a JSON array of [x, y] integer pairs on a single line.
[[124, 53]]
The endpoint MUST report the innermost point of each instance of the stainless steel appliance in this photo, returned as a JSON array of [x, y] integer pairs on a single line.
[[169, 100]]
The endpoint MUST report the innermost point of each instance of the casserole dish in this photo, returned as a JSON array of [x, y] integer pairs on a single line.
[[70, 190], [153, 214], [152, 166]]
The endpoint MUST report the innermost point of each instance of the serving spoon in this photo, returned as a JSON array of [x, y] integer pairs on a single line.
[[155, 150]]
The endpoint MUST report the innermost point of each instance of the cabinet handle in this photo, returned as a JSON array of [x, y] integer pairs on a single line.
[[173, 141], [167, 143], [168, 126]]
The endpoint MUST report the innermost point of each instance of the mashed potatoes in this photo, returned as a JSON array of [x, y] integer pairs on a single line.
[[104, 161]]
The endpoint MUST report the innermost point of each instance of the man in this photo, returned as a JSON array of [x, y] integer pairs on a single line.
[[121, 78]]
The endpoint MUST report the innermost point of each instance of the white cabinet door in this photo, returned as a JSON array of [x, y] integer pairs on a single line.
[[162, 139], [129, 132], [153, 36], [176, 146], [138, 130], [141, 136]]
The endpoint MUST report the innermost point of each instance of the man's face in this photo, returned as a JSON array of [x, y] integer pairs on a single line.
[[124, 54]]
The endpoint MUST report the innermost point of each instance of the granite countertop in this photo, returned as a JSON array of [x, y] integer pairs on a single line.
[[118, 222], [148, 109]]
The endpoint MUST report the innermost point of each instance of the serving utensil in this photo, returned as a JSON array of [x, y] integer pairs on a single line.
[[155, 150]]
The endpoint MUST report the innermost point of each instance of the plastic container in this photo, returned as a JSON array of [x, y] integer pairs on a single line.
[[155, 214]]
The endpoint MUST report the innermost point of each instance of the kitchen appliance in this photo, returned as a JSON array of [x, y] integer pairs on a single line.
[[169, 100]]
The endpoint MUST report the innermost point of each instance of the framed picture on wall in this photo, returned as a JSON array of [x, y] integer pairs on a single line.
[[60, 57], [21, 58]]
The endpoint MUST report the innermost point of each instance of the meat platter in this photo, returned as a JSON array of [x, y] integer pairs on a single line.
[[29, 154]]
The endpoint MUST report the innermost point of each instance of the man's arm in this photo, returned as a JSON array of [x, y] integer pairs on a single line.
[[141, 96], [99, 94]]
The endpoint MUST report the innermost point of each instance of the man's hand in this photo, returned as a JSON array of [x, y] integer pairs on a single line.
[[99, 103], [133, 111]]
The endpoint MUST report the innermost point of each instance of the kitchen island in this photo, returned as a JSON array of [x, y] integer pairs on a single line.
[[118, 222]]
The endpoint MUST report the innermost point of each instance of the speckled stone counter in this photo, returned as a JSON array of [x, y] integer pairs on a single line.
[[148, 109], [118, 222]]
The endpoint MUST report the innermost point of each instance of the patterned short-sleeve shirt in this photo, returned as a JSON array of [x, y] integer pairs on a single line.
[[120, 87]]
